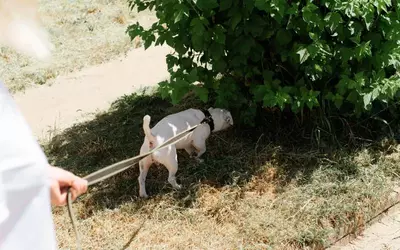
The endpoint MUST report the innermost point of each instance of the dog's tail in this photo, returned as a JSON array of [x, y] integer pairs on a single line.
[[147, 130]]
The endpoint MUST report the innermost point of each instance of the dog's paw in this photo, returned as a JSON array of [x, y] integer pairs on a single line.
[[200, 160], [144, 196], [177, 186]]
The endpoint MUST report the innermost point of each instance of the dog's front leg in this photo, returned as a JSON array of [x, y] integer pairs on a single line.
[[200, 148]]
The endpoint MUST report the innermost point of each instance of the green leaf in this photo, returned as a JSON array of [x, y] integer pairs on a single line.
[[360, 79], [303, 53], [197, 26], [216, 51], [296, 105], [333, 19], [220, 65], [369, 18], [259, 92], [279, 6], [276, 83], [348, 49], [198, 31], [311, 99], [244, 44], [206, 4], [237, 17], [134, 30], [375, 93], [311, 14], [180, 87], [193, 77], [182, 11], [171, 61], [225, 5], [283, 37], [263, 5], [293, 8], [269, 99], [318, 68], [219, 34], [169, 40], [164, 88], [346, 54], [353, 96], [248, 6], [186, 63], [179, 47], [268, 76], [178, 16], [363, 50], [283, 98], [148, 41], [300, 83], [338, 100], [202, 93], [314, 36], [355, 29], [367, 100], [351, 84]]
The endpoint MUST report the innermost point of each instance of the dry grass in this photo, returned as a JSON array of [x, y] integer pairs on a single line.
[[264, 188], [84, 33]]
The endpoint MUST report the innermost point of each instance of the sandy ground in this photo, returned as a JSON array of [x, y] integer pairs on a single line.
[[77, 97], [382, 235]]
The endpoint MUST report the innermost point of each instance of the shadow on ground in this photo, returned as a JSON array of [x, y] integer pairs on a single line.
[[262, 160], [233, 157]]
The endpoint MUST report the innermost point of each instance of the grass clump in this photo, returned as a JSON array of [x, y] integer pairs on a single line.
[[84, 33], [258, 188]]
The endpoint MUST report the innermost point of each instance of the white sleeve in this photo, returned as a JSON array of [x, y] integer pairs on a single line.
[[4, 212], [25, 209]]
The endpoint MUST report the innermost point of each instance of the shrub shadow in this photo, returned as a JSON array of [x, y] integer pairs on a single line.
[[233, 157]]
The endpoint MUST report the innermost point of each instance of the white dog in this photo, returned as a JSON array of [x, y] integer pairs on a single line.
[[194, 143]]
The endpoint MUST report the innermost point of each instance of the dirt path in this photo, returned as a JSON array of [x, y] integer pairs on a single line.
[[78, 96], [382, 235]]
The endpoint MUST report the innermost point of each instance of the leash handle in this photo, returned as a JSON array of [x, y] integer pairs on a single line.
[[73, 219]]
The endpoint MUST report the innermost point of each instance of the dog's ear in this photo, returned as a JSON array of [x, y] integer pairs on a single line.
[[228, 118], [210, 108]]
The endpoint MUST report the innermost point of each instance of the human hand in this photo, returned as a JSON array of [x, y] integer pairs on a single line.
[[61, 180]]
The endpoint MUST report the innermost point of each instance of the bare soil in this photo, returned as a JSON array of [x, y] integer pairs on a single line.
[[78, 96]]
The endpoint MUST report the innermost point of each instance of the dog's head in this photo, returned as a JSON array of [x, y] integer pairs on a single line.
[[222, 118], [20, 28]]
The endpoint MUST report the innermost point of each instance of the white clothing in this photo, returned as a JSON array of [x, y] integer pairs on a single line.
[[25, 209]]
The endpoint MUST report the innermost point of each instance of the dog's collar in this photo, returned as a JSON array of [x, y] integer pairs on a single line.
[[208, 119]]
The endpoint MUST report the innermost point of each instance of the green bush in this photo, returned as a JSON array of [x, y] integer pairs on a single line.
[[278, 53]]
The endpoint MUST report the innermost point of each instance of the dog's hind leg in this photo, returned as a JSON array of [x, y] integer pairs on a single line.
[[144, 166], [171, 163]]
